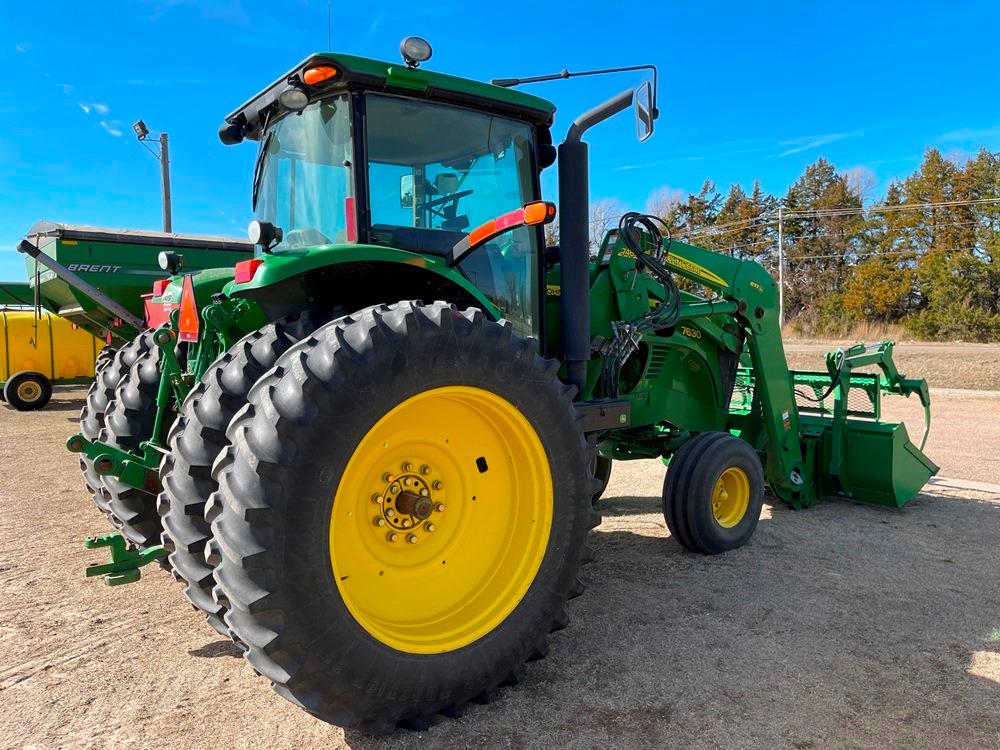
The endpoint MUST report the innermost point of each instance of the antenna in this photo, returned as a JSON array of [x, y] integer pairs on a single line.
[[329, 24]]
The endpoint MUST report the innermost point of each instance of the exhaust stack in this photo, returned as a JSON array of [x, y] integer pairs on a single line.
[[574, 238]]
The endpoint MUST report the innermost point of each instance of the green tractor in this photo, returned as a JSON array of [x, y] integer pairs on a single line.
[[373, 455]]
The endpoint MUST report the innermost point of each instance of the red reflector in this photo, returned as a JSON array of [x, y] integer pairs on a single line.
[[160, 286], [245, 270], [187, 322], [351, 217], [508, 220]]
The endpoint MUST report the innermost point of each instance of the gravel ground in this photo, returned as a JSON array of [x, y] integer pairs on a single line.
[[843, 626]]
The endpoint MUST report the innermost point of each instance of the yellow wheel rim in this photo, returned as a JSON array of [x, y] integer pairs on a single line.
[[441, 520], [28, 391], [731, 497]]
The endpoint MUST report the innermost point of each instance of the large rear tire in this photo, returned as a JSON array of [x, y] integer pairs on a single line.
[[369, 614], [128, 423], [196, 439]]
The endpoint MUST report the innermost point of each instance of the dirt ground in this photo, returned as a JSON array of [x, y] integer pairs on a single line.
[[843, 626], [974, 366]]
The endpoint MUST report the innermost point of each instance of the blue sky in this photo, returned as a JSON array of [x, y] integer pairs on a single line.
[[746, 90]]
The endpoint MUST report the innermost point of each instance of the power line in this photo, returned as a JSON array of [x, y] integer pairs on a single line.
[[845, 233], [770, 217]]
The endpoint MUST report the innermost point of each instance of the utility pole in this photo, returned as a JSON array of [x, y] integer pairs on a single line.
[[142, 133], [165, 178], [781, 271]]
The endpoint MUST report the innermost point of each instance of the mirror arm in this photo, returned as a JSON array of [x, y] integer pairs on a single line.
[[600, 113], [509, 82]]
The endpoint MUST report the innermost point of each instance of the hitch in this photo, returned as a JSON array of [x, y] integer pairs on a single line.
[[125, 559], [139, 471]]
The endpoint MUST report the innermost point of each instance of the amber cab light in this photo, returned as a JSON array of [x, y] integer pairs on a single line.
[[320, 73], [188, 324], [539, 212], [245, 270]]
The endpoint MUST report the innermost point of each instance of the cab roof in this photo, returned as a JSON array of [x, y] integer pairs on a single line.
[[375, 75]]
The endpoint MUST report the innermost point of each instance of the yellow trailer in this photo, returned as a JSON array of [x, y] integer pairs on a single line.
[[36, 353]]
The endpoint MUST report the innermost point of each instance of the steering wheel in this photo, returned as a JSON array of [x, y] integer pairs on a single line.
[[443, 199]]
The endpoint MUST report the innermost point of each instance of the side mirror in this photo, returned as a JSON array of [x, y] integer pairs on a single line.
[[406, 191], [645, 111]]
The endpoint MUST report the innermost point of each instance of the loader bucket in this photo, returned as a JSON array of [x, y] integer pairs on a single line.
[[881, 465], [856, 454]]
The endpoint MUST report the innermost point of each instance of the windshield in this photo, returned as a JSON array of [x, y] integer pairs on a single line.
[[304, 183], [435, 172]]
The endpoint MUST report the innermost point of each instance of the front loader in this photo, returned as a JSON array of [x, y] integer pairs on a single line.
[[382, 489]]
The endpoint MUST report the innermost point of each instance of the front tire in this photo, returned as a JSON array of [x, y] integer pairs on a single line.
[[713, 493], [354, 611], [602, 472]]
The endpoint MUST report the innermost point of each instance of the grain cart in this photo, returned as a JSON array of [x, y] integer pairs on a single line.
[[99, 279], [66, 262], [384, 502]]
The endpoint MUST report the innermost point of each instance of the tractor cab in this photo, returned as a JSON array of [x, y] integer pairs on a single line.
[[355, 152]]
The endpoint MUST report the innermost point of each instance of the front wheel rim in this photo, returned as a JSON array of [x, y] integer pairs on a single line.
[[731, 497], [441, 520]]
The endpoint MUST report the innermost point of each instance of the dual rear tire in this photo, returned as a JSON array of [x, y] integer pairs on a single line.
[[400, 515]]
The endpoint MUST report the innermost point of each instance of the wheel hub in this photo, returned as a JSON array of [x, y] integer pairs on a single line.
[[406, 503], [28, 392]]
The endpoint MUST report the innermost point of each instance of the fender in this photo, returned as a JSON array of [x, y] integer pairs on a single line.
[[331, 275]]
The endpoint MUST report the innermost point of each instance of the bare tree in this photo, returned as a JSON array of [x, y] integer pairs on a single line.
[[663, 202], [861, 181], [604, 216]]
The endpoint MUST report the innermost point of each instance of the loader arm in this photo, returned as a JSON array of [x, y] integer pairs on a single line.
[[749, 293]]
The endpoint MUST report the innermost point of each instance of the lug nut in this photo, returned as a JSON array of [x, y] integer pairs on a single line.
[[407, 466], [378, 521], [392, 536], [394, 488], [376, 499], [425, 470], [407, 523], [411, 538], [424, 492], [439, 507], [437, 485], [387, 477], [390, 512], [429, 527]]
